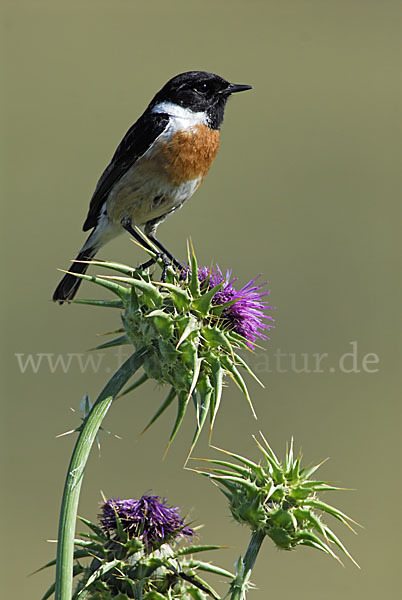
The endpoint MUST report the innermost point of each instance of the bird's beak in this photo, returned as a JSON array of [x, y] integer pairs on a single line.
[[232, 88]]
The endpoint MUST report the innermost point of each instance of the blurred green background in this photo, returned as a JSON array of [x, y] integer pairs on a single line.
[[304, 189]]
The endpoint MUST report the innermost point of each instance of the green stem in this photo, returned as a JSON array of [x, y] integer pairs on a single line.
[[239, 586], [69, 505]]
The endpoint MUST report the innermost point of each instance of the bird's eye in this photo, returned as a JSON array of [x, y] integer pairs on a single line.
[[202, 87]]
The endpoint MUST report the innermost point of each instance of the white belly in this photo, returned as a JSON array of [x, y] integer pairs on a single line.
[[142, 196]]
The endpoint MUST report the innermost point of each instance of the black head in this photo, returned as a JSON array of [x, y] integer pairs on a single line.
[[199, 91]]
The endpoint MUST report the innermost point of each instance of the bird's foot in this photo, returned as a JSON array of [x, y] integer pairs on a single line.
[[159, 256], [167, 261]]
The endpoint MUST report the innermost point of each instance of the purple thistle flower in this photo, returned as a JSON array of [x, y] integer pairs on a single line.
[[246, 316], [147, 518]]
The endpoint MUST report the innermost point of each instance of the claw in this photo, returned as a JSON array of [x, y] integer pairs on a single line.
[[149, 263], [167, 260]]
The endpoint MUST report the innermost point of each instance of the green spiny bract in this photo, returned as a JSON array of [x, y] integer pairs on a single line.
[[185, 341], [279, 499]]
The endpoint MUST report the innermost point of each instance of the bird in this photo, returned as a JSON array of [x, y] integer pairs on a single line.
[[157, 167]]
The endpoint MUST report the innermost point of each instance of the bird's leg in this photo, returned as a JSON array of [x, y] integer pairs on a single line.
[[150, 231], [165, 251], [164, 255], [166, 263], [128, 227]]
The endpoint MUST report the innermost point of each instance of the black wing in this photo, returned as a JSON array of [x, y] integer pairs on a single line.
[[134, 144]]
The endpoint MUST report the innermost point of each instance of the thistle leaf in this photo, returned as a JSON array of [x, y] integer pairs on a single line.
[[194, 281], [247, 368], [337, 541], [119, 290], [93, 527], [165, 404], [241, 459], [223, 463], [77, 569], [190, 327], [308, 472], [102, 570], [205, 392], [195, 549], [179, 295], [77, 554], [103, 303], [210, 568], [135, 385], [203, 303], [216, 338], [334, 512], [120, 341], [308, 536], [49, 592], [148, 289], [217, 384], [238, 379], [110, 265], [183, 399]]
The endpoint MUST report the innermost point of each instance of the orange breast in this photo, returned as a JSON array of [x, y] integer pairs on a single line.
[[189, 154]]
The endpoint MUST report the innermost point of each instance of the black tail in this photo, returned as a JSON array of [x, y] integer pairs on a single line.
[[69, 285]]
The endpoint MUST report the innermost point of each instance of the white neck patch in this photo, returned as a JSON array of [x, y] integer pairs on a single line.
[[184, 117]]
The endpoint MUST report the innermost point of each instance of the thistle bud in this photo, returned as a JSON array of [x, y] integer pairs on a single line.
[[279, 499]]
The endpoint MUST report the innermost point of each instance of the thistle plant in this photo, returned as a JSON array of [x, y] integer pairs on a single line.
[[275, 499], [140, 549], [187, 332]]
